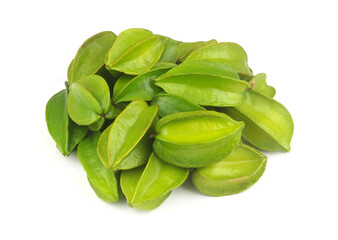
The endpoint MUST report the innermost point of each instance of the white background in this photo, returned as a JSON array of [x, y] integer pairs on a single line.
[[47, 196]]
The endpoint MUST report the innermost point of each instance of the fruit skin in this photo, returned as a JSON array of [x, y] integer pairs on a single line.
[[204, 82], [89, 100], [126, 143], [170, 50], [228, 53], [134, 51], [169, 104], [260, 85], [141, 87], [146, 187], [63, 130], [268, 124], [102, 180], [186, 48], [179, 143], [237, 172], [89, 58]]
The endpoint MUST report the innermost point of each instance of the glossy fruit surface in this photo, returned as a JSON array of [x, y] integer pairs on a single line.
[[204, 82], [238, 171], [102, 180], [196, 139], [268, 124], [147, 187], [63, 130], [134, 51]]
